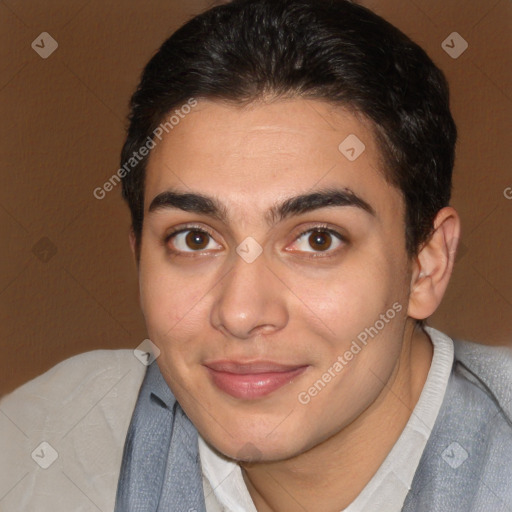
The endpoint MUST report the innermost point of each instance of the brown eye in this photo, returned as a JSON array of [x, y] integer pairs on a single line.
[[320, 240], [197, 240], [190, 240]]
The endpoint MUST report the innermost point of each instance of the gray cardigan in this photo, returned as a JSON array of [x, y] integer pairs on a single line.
[[475, 421], [466, 465]]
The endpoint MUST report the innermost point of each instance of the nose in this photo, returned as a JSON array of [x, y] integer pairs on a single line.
[[251, 300]]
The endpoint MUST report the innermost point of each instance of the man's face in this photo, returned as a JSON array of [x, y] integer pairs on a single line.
[[325, 274]]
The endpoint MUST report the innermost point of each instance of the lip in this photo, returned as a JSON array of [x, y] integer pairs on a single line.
[[252, 380]]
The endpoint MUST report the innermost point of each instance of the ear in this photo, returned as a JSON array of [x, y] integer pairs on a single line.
[[433, 265]]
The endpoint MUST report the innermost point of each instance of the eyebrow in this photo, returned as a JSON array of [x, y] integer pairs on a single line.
[[210, 206]]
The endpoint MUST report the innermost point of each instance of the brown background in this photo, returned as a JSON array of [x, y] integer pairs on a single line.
[[68, 283]]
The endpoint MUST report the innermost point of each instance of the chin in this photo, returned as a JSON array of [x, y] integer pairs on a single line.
[[254, 448]]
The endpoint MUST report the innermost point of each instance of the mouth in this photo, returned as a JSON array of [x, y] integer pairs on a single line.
[[251, 380]]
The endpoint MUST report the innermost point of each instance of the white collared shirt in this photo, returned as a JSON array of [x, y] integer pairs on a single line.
[[225, 489]]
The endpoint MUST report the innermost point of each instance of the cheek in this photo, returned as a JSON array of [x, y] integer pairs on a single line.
[[171, 303], [343, 302], [359, 313]]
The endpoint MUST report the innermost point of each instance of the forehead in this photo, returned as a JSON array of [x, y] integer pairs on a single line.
[[251, 156]]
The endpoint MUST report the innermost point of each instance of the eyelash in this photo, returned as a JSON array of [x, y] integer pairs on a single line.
[[321, 227]]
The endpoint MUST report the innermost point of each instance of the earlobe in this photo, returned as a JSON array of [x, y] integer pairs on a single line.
[[433, 265]]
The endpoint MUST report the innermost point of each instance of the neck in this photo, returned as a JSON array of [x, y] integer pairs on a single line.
[[332, 474]]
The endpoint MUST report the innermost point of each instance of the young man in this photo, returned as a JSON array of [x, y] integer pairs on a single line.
[[288, 171]]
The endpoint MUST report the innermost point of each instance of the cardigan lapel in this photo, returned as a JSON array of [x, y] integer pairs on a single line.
[[160, 469]]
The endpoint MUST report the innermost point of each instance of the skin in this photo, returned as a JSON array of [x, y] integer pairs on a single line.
[[287, 306]]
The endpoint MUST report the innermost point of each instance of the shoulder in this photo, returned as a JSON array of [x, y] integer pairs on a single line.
[[490, 369], [75, 384], [76, 380], [471, 441], [63, 429]]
